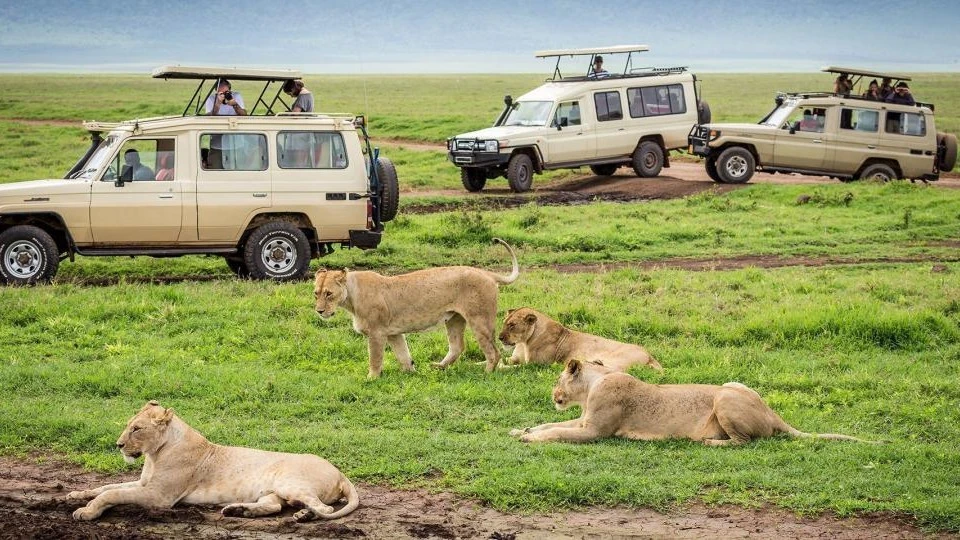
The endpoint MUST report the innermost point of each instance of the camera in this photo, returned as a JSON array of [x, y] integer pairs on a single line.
[[228, 95]]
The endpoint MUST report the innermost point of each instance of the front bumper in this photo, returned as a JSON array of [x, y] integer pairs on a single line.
[[698, 141], [467, 158]]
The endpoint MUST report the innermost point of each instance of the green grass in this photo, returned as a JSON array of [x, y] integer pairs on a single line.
[[870, 351]]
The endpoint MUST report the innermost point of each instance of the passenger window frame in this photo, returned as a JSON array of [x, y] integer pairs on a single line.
[[605, 95], [334, 135], [265, 146]]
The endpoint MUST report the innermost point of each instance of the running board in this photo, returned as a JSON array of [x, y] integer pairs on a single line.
[[155, 252]]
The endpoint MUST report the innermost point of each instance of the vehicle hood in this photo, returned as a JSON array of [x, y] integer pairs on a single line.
[[19, 192], [499, 132], [730, 129]]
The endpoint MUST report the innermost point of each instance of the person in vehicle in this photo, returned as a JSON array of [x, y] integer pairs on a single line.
[[133, 170], [225, 102], [886, 88], [304, 98], [808, 122], [901, 95], [165, 166], [597, 71], [842, 85], [873, 91]]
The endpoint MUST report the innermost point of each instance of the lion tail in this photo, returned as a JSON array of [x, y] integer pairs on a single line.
[[506, 280], [353, 500], [793, 432]]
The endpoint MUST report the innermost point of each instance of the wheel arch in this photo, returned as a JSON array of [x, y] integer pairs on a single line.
[[749, 147], [892, 163], [301, 220], [51, 222], [535, 156]]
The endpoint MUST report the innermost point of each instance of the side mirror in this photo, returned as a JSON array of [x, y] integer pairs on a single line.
[[793, 128], [564, 122]]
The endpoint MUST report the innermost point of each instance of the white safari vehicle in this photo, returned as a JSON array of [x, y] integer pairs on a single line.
[[604, 120], [267, 191]]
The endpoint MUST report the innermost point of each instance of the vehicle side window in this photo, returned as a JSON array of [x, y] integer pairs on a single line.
[[568, 114], [311, 150], [903, 123], [656, 100], [608, 106], [233, 151], [143, 160], [860, 119]]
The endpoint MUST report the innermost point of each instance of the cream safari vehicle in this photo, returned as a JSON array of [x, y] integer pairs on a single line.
[[848, 137], [604, 120], [267, 191]]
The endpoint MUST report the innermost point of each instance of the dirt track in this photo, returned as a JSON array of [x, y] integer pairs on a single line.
[[32, 505]]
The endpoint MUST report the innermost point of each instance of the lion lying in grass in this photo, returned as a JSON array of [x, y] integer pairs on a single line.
[[385, 308], [182, 466], [619, 405], [538, 339]]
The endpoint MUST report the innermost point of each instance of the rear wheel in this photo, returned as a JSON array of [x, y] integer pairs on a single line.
[[30, 256], [735, 165], [648, 159], [277, 250], [389, 189], [947, 143], [879, 172], [473, 179], [520, 173], [604, 170], [711, 165]]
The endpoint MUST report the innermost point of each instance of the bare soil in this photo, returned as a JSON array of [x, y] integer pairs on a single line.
[[33, 505]]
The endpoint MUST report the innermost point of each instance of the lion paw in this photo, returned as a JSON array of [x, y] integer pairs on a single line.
[[528, 437], [303, 515], [85, 514], [77, 496], [234, 510], [439, 365], [518, 432]]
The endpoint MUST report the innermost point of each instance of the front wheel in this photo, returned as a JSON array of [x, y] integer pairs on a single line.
[[520, 173], [736, 165], [277, 250], [473, 179], [648, 159], [30, 256]]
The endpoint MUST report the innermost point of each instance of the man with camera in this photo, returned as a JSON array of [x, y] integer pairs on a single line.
[[226, 102]]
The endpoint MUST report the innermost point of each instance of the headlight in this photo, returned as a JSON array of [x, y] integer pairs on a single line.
[[491, 146], [451, 144]]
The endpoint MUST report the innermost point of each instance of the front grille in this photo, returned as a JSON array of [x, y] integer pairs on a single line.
[[466, 145]]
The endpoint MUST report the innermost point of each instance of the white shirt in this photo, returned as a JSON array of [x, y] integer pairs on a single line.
[[224, 110]]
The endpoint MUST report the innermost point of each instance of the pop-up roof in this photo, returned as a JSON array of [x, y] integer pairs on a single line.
[[214, 74]]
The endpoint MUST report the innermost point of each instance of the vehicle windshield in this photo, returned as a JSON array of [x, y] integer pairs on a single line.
[[529, 113], [780, 114], [99, 159]]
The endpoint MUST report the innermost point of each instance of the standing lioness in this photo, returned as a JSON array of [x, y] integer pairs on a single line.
[[181, 465], [385, 308], [539, 339], [618, 405]]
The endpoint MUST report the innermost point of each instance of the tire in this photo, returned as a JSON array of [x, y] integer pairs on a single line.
[[735, 165], [473, 179], [30, 256], [648, 159], [520, 173], [277, 250], [711, 166], [605, 169], [389, 189], [878, 172], [238, 267], [948, 152], [703, 112]]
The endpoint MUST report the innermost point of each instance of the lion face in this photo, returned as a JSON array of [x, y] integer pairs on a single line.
[[571, 388], [145, 432], [518, 327], [329, 291]]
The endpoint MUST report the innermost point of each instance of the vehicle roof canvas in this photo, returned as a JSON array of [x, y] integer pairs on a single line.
[[589, 51], [865, 73], [235, 74]]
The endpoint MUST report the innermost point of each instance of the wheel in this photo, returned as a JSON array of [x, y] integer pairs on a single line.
[[389, 189], [237, 267], [878, 172], [948, 151], [711, 166], [703, 112], [29, 254], [520, 173], [735, 165], [604, 170], [277, 250], [473, 179], [648, 159]]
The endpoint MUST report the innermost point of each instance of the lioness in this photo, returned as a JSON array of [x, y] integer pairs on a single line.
[[619, 405], [541, 340], [182, 466], [385, 308]]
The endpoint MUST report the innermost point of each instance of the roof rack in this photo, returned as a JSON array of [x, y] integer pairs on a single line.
[[204, 74], [820, 94]]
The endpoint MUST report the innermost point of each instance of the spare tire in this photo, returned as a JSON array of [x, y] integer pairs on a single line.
[[948, 151], [389, 189], [703, 112]]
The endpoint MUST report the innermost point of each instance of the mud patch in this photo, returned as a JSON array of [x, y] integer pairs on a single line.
[[32, 505]]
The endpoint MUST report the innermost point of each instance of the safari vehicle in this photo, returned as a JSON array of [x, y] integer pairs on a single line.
[[602, 120], [267, 192], [847, 137]]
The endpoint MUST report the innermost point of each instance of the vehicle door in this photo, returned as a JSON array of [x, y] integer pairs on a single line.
[[571, 138], [233, 183], [858, 136], [138, 200], [612, 137], [905, 138], [802, 141]]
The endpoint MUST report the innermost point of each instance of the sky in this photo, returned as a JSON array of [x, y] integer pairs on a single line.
[[478, 36]]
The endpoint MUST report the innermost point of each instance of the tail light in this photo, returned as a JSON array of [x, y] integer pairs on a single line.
[[369, 215]]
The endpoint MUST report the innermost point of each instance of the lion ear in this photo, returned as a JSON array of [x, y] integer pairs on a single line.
[[509, 311], [320, 272], [149, 404], [530, 318], [165, 418], [342, 275], [574, 366]]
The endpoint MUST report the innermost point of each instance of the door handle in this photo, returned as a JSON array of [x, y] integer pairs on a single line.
[[166, 196], [259, 195], [871, 146], [817, 141]]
